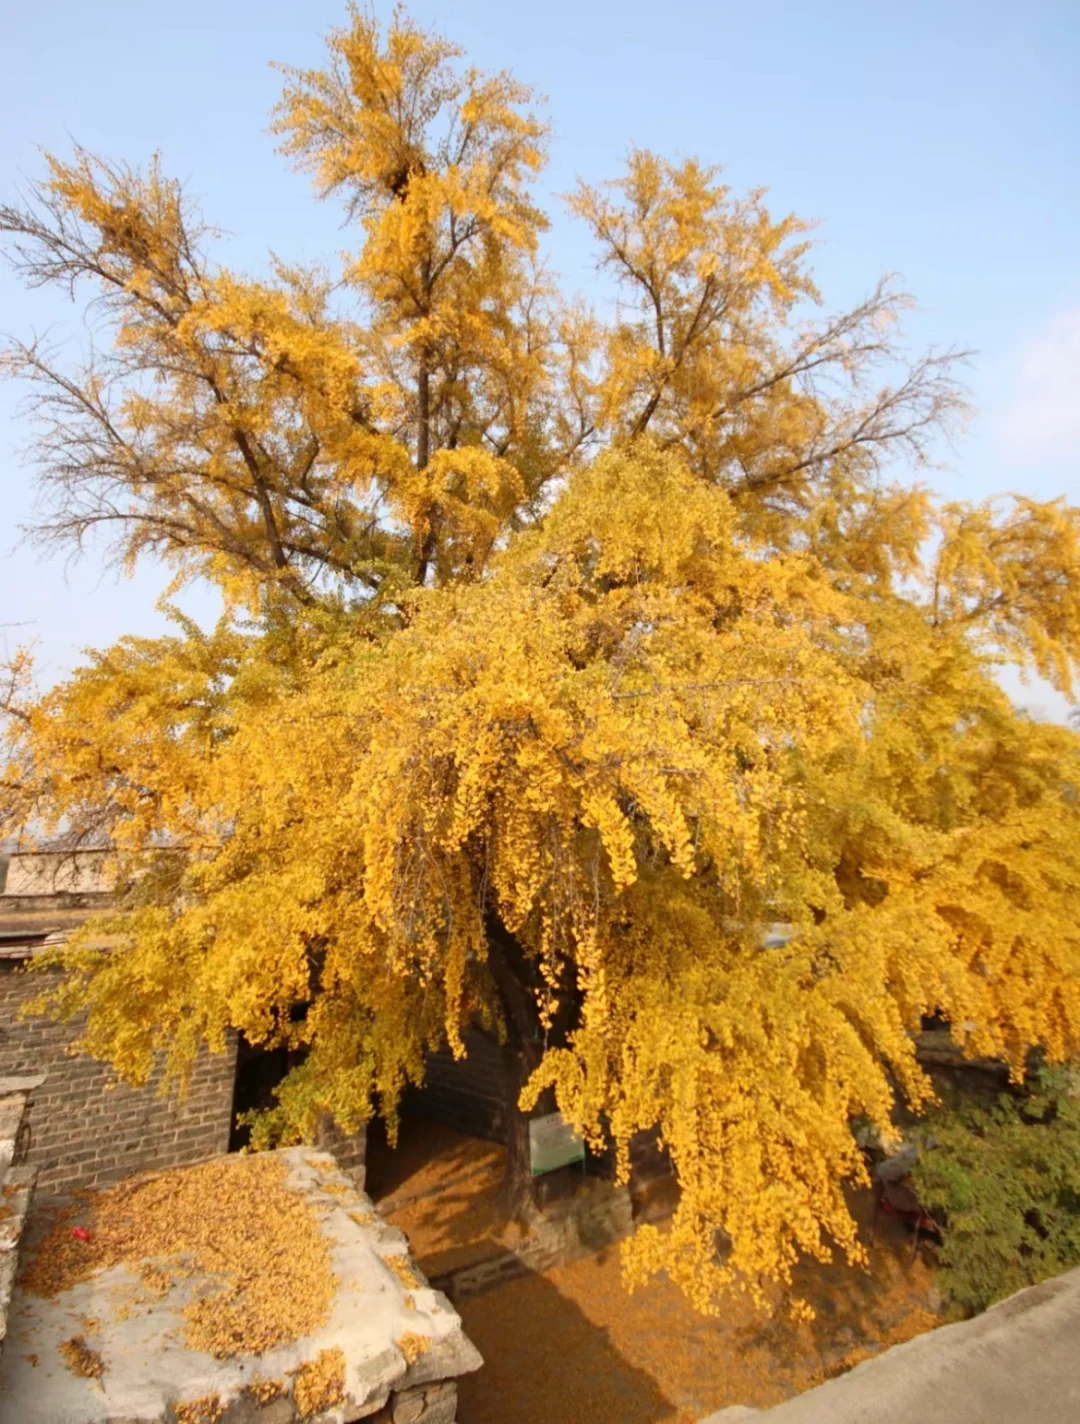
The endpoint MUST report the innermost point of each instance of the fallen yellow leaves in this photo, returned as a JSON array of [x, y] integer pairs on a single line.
[[207, 1409], [404, 1272], [319, 1383], [412, 1346], [232, 1221], [80, 1359], [264, 1390], [156, 1281]]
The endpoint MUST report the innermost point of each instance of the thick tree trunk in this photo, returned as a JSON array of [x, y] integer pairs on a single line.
[[518, 1186], [522, 1053], [423, 415], [423, 455]]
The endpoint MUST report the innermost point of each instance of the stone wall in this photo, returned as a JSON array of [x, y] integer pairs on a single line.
[[598, 1215], [349, 1150], [55, 873], [468, 1094], [85, 1128], [16, 1184]]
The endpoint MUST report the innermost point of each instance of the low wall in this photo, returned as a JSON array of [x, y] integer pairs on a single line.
[[1018, 1362], [16, 1185], [598, 1215], [388, 1349]]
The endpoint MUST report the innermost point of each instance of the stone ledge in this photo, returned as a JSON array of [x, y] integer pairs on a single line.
[[401, 1341], [16, 1191], [1016, 1362], [21, 1083]]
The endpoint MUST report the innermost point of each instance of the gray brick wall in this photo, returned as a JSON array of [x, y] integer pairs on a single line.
[[87, 1129], [468, 1094], [349, 1149]]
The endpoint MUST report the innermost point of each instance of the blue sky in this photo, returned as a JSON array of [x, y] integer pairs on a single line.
[[935, 140]]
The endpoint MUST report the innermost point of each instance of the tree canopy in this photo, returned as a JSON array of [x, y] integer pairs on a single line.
[[564, 656]]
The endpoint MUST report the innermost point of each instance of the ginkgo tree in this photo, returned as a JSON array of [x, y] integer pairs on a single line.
[[562, 657]]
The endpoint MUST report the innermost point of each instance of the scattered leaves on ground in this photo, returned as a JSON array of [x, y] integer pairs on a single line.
[[231, 1221], [80, 1359], [648, 1358], [319, 1384], [156, 1281], [412, 1346]]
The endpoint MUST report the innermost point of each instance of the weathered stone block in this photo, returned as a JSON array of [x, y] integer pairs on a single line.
[[409, 1407], [431, 1404], [247, 1410], [440, 1403]]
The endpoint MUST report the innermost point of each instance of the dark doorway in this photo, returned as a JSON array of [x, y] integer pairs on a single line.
[[259, 1072]]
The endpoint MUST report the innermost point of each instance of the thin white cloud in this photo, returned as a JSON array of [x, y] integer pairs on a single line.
[[1040, 422]]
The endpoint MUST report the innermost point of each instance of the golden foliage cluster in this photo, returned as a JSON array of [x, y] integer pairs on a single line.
[[564, 659]]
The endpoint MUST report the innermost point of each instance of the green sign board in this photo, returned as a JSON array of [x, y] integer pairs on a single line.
[[553, 1143]]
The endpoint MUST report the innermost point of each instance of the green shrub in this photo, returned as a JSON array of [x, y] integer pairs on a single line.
[[1005, 1181]]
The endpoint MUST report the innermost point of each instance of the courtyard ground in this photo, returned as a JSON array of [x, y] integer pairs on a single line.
[[572, 1343]]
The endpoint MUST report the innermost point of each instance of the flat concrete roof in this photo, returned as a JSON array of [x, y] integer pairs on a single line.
[[375, 1319]]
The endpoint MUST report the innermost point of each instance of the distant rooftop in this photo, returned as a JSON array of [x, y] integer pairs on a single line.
[[53, 872]]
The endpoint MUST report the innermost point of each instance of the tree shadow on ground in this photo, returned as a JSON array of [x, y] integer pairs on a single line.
[[560, 1366], [443, 1190], [426, 1154], [858, 1310], [573, 1342]]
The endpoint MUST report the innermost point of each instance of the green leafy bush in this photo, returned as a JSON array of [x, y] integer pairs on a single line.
[[1005, 1181]]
